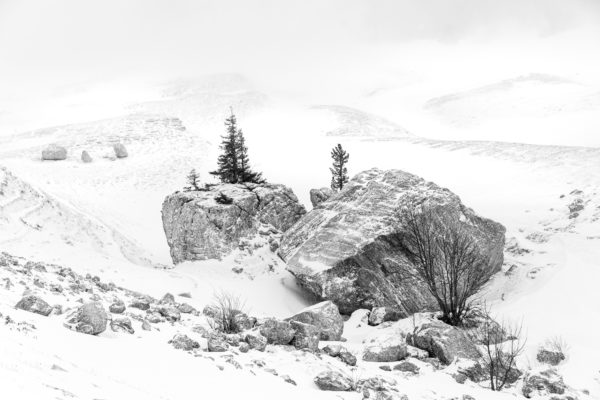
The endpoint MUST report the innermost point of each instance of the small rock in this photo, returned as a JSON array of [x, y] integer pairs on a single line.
[[120, 150], [348, 358], [244, 347], [183, 342], [289, 380], [168, 299], [333, 349], [54, 153], [141, 304], [122, 324], [333, 381], [407, 366], [146, 325], [90, 318], [85, 157], [186, 308], [154, 317], [117, 308], [385, 368], [35, 305]]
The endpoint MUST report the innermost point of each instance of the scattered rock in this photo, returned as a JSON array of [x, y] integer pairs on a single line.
[[35, 305], [306, 336], [85, 157], [333, 381], [326, 317], [443, 341], [277, 332], [121, 324], [183, 342], [380, 315], [256, 340], [317, 196], [120, 150], [54, 153], [90, 318], [365, 269]]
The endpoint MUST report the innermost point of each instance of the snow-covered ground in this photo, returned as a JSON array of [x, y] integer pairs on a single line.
[[103, 218]]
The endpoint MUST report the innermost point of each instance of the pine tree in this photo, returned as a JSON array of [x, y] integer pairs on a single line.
[[193, 180], [339, 171], [234, 163]]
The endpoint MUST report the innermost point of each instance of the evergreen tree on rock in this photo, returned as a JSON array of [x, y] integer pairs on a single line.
[[233, 165], [339, 172], [193, 180]]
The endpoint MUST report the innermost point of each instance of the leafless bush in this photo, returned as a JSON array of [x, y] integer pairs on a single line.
[[500, 358], [447, 259], [227, 306]]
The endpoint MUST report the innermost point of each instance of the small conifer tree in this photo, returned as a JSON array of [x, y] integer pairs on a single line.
[[193, 180], [339, 172]]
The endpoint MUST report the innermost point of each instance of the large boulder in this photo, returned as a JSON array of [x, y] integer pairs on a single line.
[[317, 196], [443, 341], [90, 318], [54, 153], [35, 305], [199, 228], [325, 316], [385, 347], [350, 248]]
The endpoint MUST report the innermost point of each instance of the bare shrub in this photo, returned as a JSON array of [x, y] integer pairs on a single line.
[[447, 259], [227, 306], [500, 358]]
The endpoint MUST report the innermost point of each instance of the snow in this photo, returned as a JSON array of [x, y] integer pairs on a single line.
[[103, 218]]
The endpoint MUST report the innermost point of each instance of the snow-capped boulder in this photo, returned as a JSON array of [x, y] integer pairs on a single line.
[[120, 150], [54, 153], [35, 305], [317, 196], [325, 316], [349, 248], [198, 227], [385, 347], [90, 318], [443, 341]]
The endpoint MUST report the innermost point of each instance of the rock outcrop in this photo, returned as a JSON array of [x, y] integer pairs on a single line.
[[317, 196], [349, 249], [54, 153], [199, 228]]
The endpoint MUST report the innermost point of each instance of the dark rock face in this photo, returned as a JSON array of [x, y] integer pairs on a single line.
[[90, 318], [326, 317], [199, 228], [443, 341], [349, 249], [34, 304], [317, 196]]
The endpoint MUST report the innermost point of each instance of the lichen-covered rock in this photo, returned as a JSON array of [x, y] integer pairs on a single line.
[[326, 317], [277, 332], [90, 318], [120, 150], [350, 249], [317, 196], [542, 383], [197, 227], [54, 153], [122, 324], [380, 315], [183, 342], [443, 341], [306, 336], [333, 381], [34, 304]]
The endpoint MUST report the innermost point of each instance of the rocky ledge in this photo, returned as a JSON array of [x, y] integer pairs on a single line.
[[210, 224], [349, 249]]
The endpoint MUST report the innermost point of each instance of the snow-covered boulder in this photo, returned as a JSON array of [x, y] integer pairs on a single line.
[[385, 347], [317, 196], [198, 227], [120, 150], [54, 153], [443, 341], [325, 316], [90, 318], [349, 248]]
